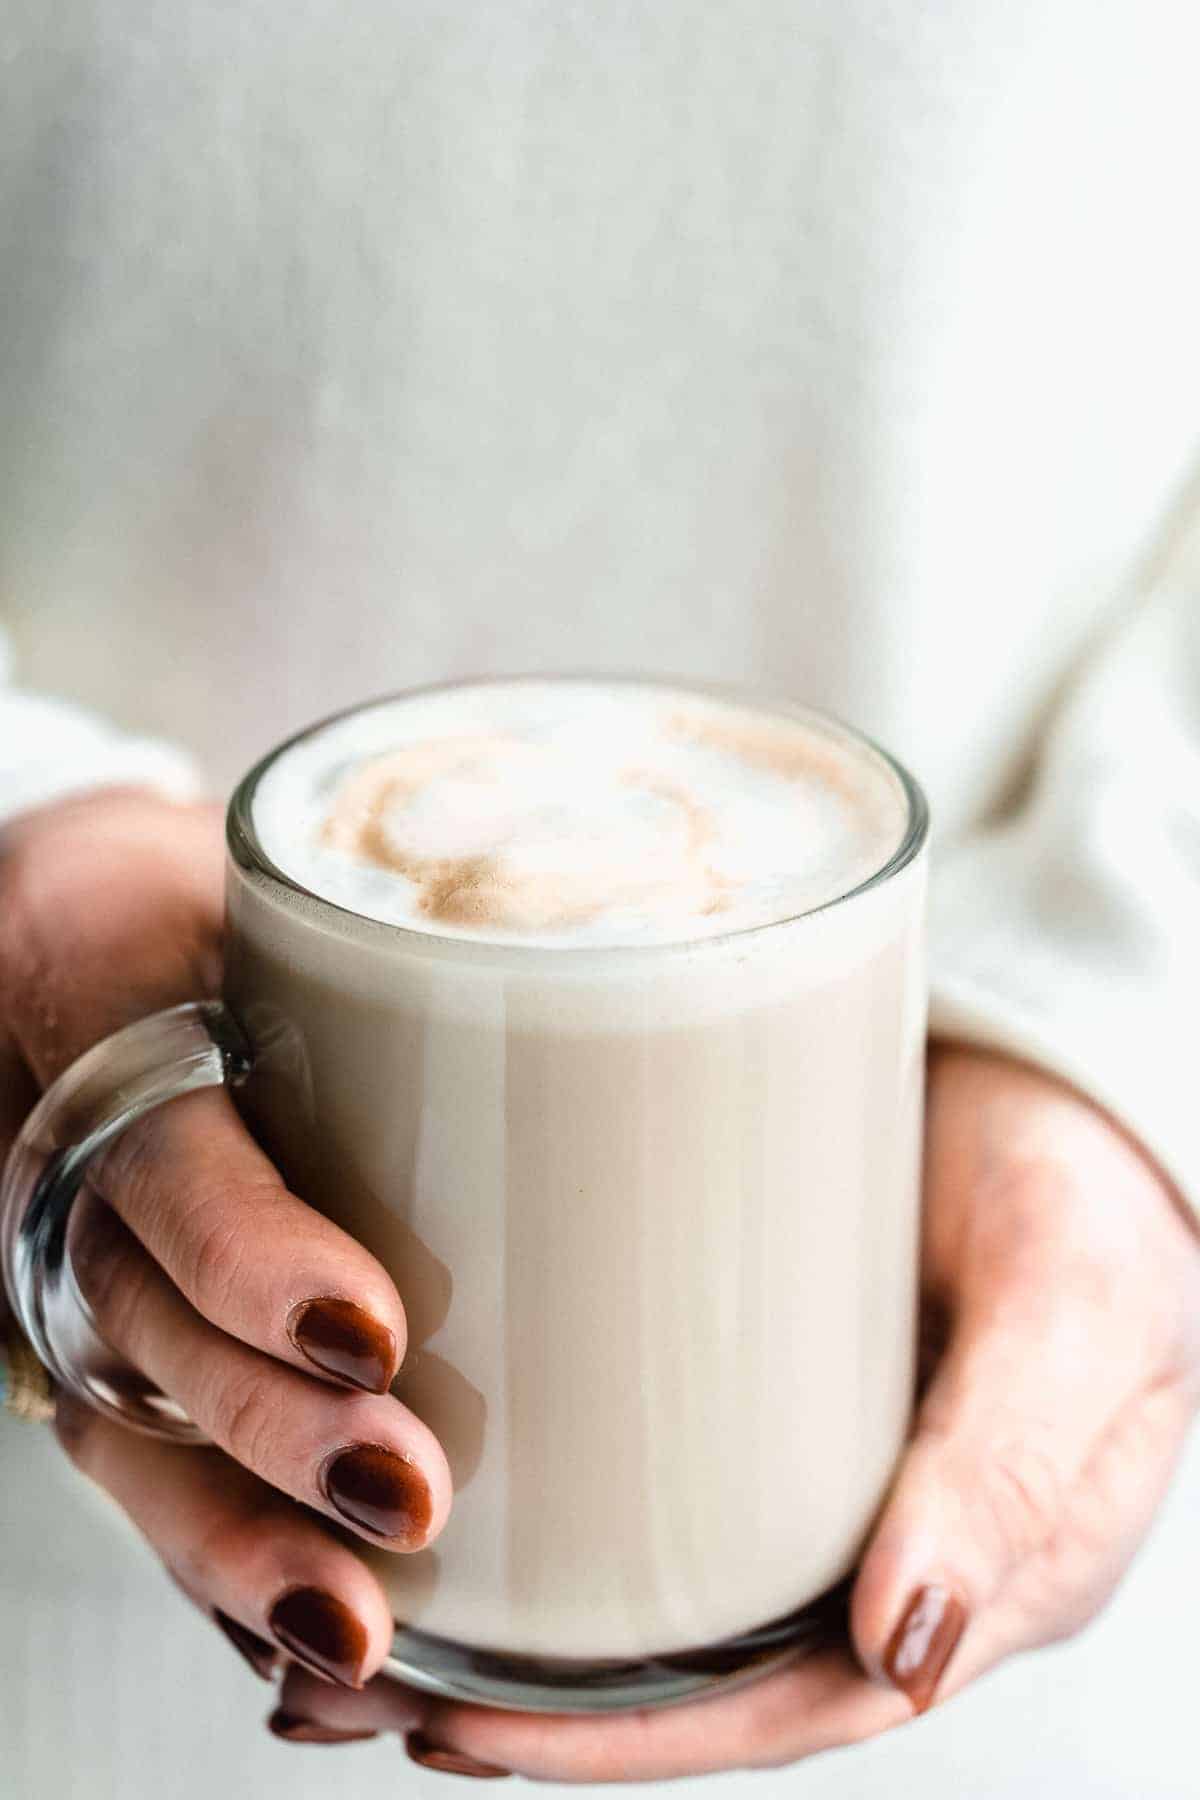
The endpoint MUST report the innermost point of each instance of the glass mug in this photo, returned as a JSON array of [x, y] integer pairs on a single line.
[[653, 1212]]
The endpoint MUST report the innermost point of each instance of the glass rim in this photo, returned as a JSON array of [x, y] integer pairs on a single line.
[[246, 849]]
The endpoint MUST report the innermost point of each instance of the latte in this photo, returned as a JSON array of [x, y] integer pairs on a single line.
[[630, 1110]]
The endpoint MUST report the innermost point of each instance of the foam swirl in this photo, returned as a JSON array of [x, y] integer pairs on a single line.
[[494, 836], [571, 812]]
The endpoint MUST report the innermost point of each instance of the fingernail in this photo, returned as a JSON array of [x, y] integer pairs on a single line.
[[320, 1631], [344, 1340], [449, 1762], [302, 1731], [258, 1653], [380, 1491], [923, 1643]]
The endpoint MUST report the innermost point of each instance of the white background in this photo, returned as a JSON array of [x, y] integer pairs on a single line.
[[1109, 1717]]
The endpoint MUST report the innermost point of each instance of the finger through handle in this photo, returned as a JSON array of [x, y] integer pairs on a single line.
[[198, 1045]]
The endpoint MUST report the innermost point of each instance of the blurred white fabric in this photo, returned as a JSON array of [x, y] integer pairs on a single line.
[[112, 1689], [841, 349]]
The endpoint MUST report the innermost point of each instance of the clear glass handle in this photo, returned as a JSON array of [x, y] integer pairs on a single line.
[[170, 1053]]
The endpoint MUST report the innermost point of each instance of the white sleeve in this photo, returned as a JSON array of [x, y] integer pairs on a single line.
[[1069, 934], [50, 748]]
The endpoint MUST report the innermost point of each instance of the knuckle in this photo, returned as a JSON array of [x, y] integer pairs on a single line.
[[196, 1219], [245, 1419], [208, 1253], [1021, 1495]]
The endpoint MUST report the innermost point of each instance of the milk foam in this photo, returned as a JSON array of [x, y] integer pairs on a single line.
[[573, 813]]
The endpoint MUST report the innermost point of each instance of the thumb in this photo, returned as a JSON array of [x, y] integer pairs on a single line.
[[1012, 1416]]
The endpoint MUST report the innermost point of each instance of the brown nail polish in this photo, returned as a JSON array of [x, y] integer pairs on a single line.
[[923, 1643], [257, 1652], [449, 1762], [303, 1731], [320, 1631], [344, 1340], [380, 1491]]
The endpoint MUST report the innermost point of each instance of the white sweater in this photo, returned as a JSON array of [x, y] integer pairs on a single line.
[[838, 347], [844, 349]]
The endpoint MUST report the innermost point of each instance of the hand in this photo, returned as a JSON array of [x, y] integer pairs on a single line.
[[1062, 1313], [274, 1329]]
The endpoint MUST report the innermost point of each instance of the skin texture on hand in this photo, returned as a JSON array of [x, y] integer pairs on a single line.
[[1061, 1288], [277, 1332], [1061, 1349]]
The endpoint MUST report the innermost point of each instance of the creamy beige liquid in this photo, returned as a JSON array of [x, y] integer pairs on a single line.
[[652, 1209]]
